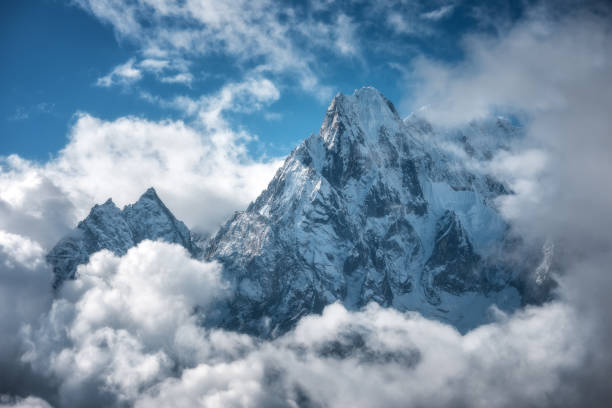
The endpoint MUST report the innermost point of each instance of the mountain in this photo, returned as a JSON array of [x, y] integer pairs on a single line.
[[108, 227], [372, 208]]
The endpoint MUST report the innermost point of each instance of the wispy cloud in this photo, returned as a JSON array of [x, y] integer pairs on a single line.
[[247, 32], [411, 18], [273, 116], [439, 13], [123, 74], [168, 71], [154, 65], [19, 114], [284, 43], [22, 113], [180, 78]]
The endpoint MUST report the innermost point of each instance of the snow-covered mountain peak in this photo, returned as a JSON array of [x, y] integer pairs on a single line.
[[150, 194], [149, 218], [108, 227], [370, 102], [109, 202], [373, 208], [108, 206], [362, 113]]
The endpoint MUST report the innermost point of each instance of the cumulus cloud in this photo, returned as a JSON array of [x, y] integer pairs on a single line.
[[200, 178], [24, 295], [124, 324], [126, 333], [201, 169], [31, 204]]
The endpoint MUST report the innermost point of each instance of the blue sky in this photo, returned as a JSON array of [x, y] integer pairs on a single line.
[[59, 55]]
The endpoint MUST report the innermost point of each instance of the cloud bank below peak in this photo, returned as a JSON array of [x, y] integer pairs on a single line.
[[124, 333]]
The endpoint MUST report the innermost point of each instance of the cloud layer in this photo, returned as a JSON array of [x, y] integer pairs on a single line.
[[126, 333], [126, 324]]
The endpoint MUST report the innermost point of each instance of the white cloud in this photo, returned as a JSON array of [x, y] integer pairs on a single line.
[[129, 328], [439, 13], [30, 204], [245, 31], [24, 295], [201, 177], [398, 23], [29, 402], [21, 250], [556, 73], [123, 74], [526, 69], [125, 323], [402, 17], [168, 71], [180, 78], [126, 333], [202, 171]]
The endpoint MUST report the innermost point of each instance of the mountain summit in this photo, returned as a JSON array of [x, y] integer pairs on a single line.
[[373, 208]]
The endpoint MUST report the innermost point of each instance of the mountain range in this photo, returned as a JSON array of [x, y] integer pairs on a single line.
[[373, 208]]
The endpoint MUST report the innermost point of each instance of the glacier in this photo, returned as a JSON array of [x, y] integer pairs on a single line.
[[373, 208]]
